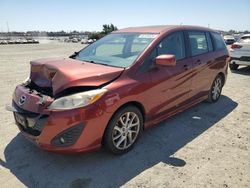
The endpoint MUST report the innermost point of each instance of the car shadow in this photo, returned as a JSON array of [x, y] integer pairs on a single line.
[[36, 168], [242, 70]]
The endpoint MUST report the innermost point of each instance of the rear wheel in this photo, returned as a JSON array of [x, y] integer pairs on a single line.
[[233, 66], [215, 90], [123, 130]]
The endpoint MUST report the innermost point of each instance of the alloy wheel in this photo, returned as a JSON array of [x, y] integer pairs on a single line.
[[126, 130], [216, 90]]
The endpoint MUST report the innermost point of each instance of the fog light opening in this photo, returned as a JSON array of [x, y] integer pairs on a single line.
[[62, 140], [68, 137]]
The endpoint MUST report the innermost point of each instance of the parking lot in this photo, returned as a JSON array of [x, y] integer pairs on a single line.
[[205, 146]]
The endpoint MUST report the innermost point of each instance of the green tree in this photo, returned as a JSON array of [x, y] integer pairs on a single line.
[[105, 30], [108, 28]]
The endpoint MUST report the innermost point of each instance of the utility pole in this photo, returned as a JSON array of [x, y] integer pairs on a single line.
[[8, 28]]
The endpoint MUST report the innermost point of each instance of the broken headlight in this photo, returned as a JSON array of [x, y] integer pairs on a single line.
[[77, 100]]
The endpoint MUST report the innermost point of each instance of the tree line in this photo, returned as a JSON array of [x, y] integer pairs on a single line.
[[107, 28]]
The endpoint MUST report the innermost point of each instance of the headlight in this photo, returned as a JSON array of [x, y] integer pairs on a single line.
[[77, 100]]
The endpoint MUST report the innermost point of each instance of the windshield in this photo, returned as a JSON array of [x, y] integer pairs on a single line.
[[118, 50]]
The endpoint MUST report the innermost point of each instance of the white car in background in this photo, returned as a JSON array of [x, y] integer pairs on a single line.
[[240, 52], [229, 39], [84, 41]]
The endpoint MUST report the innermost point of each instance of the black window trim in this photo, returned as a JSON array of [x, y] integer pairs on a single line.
[[210, 36], [144, 67], [213, 41], [183, 35]]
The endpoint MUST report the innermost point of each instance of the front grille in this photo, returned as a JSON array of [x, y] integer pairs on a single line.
[[29, 122]]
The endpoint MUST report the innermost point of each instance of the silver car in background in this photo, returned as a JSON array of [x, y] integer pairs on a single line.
[[229, 39], [240, 52]]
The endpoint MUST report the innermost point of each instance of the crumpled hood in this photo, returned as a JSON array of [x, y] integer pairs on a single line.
[[60, 74]]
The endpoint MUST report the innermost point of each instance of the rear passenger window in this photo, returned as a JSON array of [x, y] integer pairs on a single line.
[[218, 41], [173, 44], [198, 42]]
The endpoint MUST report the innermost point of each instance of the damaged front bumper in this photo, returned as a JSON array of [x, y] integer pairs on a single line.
[[66, 131], [28, 122]]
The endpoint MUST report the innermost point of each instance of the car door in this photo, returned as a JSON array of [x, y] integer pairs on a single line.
[[171, 85], [201, 50]]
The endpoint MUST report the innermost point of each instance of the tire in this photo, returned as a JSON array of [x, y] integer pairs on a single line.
[[215, 90], [233, 66], [120, 136]]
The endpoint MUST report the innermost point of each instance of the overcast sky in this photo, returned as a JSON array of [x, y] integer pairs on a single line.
[[68, 15]]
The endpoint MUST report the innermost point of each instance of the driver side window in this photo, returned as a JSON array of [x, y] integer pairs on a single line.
[[172, 44]]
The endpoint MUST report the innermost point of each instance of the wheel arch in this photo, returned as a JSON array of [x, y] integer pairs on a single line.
[[130, 103], [223, 77]]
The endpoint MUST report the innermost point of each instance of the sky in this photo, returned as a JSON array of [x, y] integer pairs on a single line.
[[86, 15]]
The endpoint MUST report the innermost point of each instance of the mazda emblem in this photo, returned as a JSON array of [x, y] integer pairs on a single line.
[[22, 99]]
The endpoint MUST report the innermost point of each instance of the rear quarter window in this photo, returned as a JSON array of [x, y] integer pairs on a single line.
[[219, 43]]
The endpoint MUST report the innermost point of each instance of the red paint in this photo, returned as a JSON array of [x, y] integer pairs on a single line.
[[161, 91], [166, 60], [70, 73]]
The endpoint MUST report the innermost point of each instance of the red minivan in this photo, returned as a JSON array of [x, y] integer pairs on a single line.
[[130, 80]]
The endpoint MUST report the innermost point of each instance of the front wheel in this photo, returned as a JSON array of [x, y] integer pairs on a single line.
[[123, 130], [215, 90]]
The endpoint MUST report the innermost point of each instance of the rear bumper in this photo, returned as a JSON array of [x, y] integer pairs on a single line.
[[243, 60], [240, 56]]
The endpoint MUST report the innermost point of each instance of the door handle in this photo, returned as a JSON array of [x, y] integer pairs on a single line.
[[198, 62], [186, 67]]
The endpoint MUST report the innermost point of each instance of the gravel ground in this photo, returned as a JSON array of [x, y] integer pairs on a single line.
[[205, 146]]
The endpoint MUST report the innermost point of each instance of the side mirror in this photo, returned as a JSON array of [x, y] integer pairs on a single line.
[[166, 60]]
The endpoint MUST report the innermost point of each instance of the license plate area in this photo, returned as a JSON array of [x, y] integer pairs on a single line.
[[21, 120]]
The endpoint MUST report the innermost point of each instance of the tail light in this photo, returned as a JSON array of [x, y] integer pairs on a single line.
[[236, 46]]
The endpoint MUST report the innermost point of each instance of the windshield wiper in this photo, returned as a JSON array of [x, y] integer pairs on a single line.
[[73, 56], [109, 65], [89, 61]]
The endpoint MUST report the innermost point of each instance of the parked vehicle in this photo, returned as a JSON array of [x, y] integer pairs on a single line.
[[74, 40], [90, 41], [3, 42], [229, 39], [23, 41], [84, 41], [32, 41], [240, 52], [11, 41], [111, 90]]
